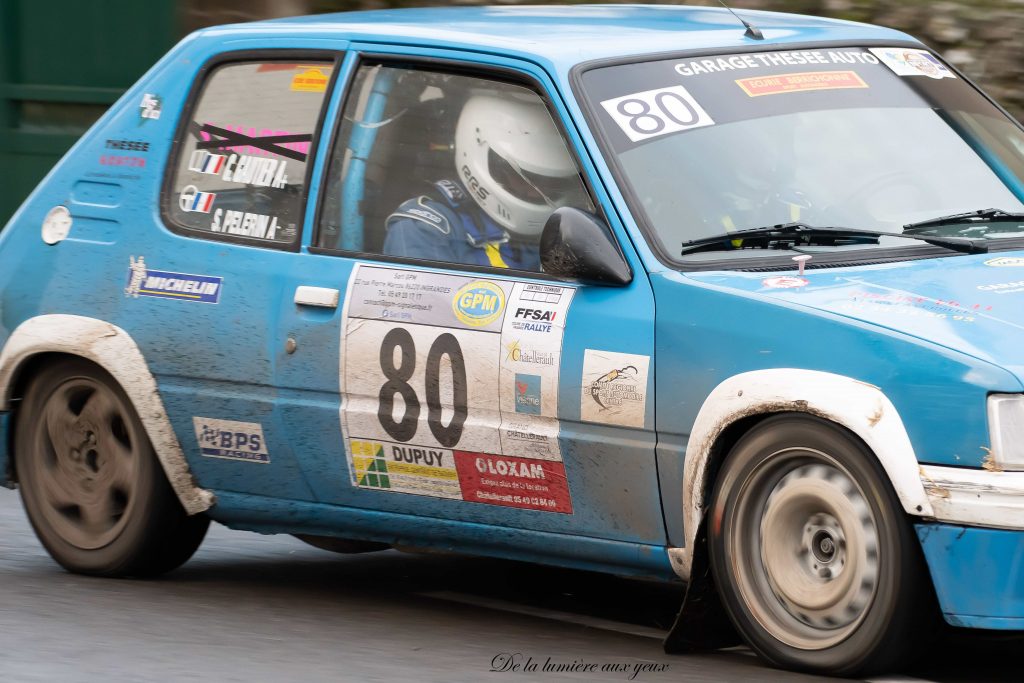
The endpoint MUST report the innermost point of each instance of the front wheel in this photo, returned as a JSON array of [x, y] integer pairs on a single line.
[[90, 482], [816, 562]]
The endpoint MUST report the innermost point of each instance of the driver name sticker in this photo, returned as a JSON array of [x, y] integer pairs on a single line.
[[907, 62], [801, 82], [652, 113], [443, 374]]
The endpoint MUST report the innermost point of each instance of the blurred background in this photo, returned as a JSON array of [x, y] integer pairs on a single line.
[[63, 62]]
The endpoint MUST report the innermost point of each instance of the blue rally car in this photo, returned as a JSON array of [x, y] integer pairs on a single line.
[[642, 290]]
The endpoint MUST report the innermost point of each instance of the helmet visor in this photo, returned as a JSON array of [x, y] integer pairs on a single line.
[[531, 187]]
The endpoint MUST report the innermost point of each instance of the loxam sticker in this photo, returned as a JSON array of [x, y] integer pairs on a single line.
[[443, 397], [231, 440], [908, 62], [161, 284], [614, 388], [651, 113], [802, 82]]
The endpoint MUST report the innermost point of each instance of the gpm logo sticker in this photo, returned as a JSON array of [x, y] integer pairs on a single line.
[[479, 303]]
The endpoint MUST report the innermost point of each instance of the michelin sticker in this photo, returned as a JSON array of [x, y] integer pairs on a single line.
[[146, 282], [614, 388], [231, 440], [908, 62], [450, 387]]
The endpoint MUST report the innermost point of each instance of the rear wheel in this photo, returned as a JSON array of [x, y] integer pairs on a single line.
[[817, 564], [91, 484]]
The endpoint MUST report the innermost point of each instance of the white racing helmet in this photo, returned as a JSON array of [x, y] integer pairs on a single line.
[[512, 159]]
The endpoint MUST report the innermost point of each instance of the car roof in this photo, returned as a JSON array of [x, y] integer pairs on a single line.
[[568, 35]]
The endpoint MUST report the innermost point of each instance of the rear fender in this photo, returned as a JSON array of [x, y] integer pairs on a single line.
[[115, 351]]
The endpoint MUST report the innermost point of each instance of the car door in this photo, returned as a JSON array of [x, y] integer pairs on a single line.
[[456, 390], [203, 294]]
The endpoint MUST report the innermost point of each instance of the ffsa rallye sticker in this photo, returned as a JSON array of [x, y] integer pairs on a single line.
[[450, 387]]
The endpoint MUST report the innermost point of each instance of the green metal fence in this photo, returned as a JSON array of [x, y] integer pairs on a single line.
[[62, 64]]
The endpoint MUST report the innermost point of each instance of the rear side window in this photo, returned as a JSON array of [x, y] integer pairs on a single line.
[[242, 157]]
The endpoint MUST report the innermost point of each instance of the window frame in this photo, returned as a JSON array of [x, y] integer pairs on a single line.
[[767, 263], [199, 81], [501, 74]]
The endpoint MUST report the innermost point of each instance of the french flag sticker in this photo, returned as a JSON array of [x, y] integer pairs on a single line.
[[204, 162], [192, 200]]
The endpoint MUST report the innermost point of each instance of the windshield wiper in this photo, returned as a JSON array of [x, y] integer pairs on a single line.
[[788, 235], [981, 216]]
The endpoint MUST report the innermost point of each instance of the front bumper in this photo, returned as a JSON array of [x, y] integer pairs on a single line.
[[974, 497], [975, 545], [978, 574], [5, 450]]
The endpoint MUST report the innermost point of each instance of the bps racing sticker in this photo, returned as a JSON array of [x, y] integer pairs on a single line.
[[231, 440], [162, 284]]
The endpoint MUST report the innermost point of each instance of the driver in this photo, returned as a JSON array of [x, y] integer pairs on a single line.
[[512, 170]]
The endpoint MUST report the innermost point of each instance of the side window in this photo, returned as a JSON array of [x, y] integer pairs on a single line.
[[241, 163], [446, 167]]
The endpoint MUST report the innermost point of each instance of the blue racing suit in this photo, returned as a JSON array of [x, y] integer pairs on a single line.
[[447, 225]]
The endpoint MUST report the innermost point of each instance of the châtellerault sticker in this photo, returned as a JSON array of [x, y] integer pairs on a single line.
[[614, 388]]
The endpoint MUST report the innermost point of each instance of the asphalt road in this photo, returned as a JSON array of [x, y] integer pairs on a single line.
[[269, 608]]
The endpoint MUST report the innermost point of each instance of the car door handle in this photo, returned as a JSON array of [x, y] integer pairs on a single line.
[[322, 297]]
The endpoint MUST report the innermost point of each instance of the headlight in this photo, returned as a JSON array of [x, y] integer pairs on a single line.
[[1006, 426]]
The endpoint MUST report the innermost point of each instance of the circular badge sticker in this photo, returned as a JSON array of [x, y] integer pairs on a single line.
[[1006, 262], [785, 282], [478, 303]]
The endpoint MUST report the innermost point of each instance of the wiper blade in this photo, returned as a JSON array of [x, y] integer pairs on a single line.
[[787, 235], [981, 216]]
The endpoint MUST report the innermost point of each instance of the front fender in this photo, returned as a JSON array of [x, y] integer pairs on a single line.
[[115, 351], [859, 407]]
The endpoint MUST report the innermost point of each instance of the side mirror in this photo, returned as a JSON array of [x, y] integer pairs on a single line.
[[577, 245]]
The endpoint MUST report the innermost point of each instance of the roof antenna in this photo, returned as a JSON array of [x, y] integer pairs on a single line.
[[752, 31]]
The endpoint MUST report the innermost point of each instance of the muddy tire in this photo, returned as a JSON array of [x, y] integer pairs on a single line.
[[816, 562], [90, 482]]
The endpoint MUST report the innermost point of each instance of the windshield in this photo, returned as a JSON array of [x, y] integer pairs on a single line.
[[872, 138]]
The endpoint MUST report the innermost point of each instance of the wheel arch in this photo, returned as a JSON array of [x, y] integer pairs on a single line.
[[739, 403], [113, 350]]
